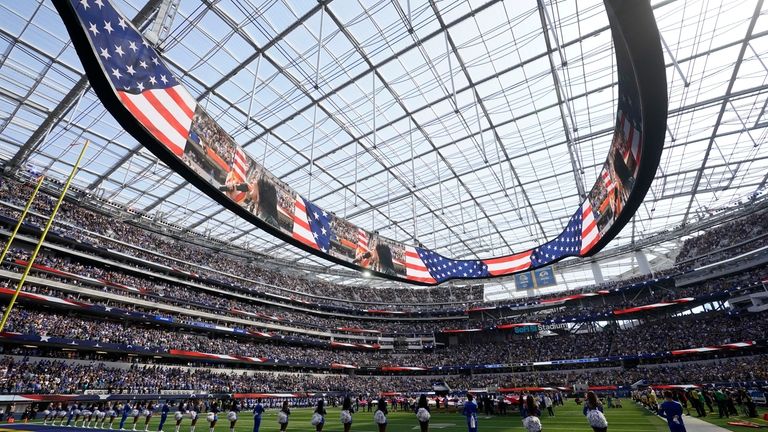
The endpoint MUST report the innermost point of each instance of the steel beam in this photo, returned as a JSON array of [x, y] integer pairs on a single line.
[[67, 103], [720, 114]]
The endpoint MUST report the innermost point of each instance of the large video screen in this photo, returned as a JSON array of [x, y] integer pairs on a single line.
[[137, 87]]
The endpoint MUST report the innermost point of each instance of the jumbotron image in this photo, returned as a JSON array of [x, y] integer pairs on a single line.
[[383, 215]]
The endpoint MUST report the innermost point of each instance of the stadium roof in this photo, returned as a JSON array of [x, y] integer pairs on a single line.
[[410, 111]]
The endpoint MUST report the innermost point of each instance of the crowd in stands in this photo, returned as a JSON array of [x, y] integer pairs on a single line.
[[193, 302], [193, 298], [741, 282], [190, 257], [652, 337], [750, 231], [60, 376]]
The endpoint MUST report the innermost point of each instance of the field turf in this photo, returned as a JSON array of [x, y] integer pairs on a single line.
[[714, 419], [567, 418]]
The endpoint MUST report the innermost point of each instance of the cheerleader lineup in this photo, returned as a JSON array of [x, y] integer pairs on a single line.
[[137, 415]]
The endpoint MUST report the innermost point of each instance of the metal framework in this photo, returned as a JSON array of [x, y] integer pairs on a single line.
[[472, 127]]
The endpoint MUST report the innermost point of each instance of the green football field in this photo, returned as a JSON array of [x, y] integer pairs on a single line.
[[631, 418], [714, 419], [567, 418]]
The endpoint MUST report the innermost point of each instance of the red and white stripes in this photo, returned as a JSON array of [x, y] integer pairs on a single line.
[[301, 230], [589, 232], [165, 113], [509, 264], [415, 269]]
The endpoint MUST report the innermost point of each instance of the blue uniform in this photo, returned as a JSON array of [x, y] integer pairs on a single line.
[[126, 412], [163, 415], [257, 411], [673, 412], [71, 414], [470, 411]]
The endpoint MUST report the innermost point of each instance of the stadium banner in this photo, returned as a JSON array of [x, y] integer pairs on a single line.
[[527, 327], [524, 281], [137, 87], [544, 277]]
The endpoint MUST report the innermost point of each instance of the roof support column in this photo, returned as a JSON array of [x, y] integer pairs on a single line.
[[642, 262], [597, 272]]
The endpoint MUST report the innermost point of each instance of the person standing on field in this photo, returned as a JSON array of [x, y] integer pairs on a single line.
[[423, 414], [673, 412], [470, 412]]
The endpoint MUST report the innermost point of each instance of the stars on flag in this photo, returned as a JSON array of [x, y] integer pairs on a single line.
[[131, 63], [568, 243], [442, 268], [320, 225]]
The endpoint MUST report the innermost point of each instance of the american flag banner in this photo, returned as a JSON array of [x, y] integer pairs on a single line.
[[240, 165], [140, 79], [509, 264], [415, 269], [239, 168], [362, 239], [312, 225], [442, 268], [590, 234], [568, 243], [301, 229]]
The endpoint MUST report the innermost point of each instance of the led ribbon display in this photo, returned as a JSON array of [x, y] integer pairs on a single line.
[[139, 90]]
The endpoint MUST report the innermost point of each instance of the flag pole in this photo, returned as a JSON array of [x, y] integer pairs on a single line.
[[42, 237], [21, 218]]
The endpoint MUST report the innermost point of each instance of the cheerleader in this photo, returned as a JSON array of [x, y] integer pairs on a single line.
[[213, 416], [49, 414], [126, 411], [112, 413], [380, 416], [258, 410], [164, 410], [423, 414], [101, 415], [60, 415], [179, 415], [148, 411], [86, 413], [282, 416], [346, 413], [318, 417], [74, 413], [232, 416], [95, 413], [194, 413], [136, 413]]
